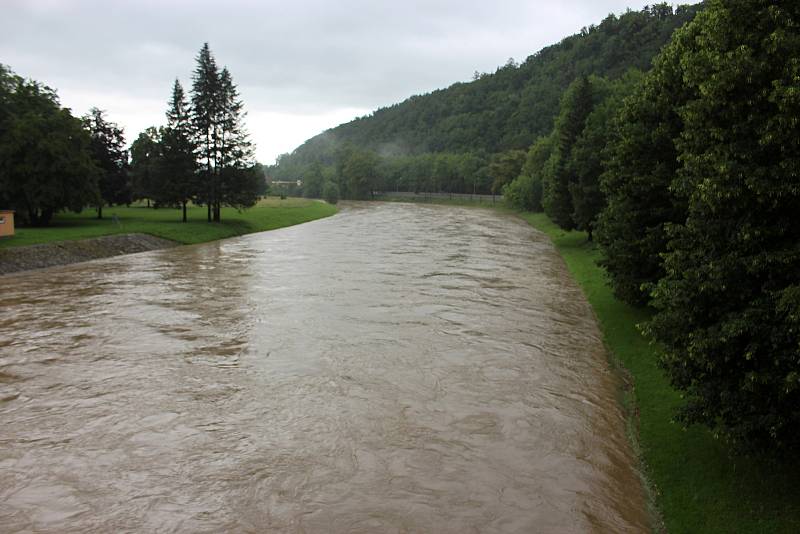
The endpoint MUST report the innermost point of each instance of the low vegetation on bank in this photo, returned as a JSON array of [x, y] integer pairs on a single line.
[[268, 214]]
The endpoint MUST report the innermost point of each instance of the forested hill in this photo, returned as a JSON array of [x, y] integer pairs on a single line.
[[510, 108]]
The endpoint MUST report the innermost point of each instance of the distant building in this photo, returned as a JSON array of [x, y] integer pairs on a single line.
[[6, 223]]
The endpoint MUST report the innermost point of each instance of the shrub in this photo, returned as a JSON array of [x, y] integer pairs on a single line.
[[330, 193]]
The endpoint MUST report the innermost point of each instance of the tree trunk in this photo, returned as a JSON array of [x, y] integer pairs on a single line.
[[100, 211], [46, 216], [33, 217], [184, 211], [208, 205]]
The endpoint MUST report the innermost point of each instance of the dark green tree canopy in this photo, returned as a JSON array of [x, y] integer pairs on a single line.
[[576, 106], [640, 163], [729, 303], [45, 159], [111, 156], [220, 138], [145, 154]]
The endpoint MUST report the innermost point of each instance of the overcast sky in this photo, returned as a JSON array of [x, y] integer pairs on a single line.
[[301, 66]]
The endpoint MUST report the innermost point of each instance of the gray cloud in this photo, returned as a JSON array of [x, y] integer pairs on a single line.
[[309, 61]]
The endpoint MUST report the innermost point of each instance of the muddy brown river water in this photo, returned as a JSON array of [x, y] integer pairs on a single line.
[[394, 368]]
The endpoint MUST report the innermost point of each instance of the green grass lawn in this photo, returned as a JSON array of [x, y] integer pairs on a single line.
[[700, 486], [268, 214]]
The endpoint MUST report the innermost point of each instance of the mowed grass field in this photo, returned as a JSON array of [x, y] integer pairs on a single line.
[[269, 214], [700, 484]]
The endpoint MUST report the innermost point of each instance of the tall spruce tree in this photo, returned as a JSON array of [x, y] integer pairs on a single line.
[[206, 90], [237, 183], [178, 162], [224, 150], [111, 157], [586, 165]]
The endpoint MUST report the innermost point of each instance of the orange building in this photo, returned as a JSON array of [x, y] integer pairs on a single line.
[[6, 223]]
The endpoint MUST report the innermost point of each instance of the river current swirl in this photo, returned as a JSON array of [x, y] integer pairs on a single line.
[[394, 368]]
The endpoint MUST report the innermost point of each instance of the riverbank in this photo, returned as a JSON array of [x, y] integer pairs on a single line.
[[699, 484], [16, 259], [268, 214], [74, 238]]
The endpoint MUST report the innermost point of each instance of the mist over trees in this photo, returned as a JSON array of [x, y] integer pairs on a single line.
[[447, 140], [686, 174]]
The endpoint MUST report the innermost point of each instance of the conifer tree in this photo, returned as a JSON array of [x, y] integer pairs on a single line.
[[224, 150], [178, 162], [111, 157], [205, 122], [586, 165]]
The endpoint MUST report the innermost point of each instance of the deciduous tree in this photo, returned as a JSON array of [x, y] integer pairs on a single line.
[[640, 163], [729, 303], [45, 159], [576, 105]]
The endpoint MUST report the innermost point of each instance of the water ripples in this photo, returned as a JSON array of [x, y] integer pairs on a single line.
[[395, 368]]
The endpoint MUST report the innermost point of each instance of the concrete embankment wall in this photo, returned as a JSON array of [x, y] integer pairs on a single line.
[[14, 259]]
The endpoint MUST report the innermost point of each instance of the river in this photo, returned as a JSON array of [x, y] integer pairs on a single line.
[[394, 368]]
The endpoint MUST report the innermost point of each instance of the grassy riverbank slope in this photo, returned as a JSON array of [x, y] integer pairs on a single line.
[[268, 214], [699, 484]]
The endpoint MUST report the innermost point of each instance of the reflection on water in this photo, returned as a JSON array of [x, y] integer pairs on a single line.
[[395, 368]]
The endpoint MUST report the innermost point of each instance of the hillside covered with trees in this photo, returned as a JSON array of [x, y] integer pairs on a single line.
[[472, 137], [686, 174]]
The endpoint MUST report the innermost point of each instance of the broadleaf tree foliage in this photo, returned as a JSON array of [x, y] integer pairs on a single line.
[[46, 162], [728, 305], [641, 161]]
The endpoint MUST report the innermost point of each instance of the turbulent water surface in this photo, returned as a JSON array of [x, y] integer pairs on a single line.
[[394, 368]]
